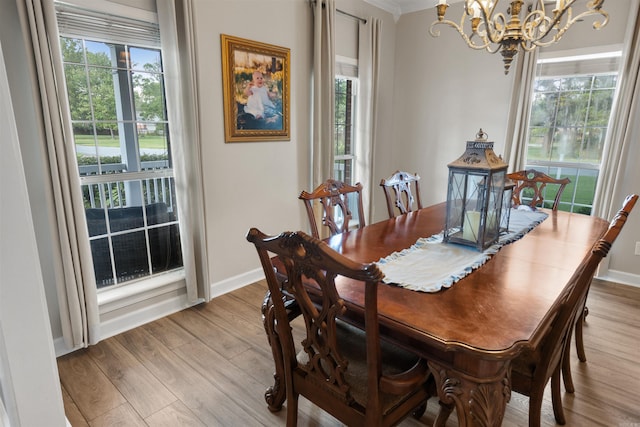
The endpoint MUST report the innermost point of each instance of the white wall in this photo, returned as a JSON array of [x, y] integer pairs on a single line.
[[257, 183], [444, 93], [29, 384], [250, 183]]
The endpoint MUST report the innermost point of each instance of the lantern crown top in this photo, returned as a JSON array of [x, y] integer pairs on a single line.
[[479, 154], [481, 135]]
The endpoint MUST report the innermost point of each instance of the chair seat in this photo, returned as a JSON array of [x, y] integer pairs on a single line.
[[395, 360]]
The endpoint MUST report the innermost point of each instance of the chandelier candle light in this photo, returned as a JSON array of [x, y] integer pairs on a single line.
[[492, 30]]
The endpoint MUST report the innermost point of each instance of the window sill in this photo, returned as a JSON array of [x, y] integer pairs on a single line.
[[130, 294]]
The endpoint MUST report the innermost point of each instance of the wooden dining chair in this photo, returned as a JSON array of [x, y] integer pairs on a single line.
[[337, 200], [532, 184], [534, 367], [531, 371], [353, 374], [617, 223], [402, 192]]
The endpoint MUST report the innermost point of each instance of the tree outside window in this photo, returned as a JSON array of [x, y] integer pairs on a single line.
[[567, 129]]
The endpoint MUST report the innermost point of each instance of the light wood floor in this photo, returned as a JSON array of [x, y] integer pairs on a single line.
[[209, 366]]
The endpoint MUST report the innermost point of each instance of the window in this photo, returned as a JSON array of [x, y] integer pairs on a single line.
[[115, 85], [344, 154], [570, 112], [344, 150]]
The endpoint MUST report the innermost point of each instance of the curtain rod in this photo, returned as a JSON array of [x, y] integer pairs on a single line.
[[364, 21], [342, 12]]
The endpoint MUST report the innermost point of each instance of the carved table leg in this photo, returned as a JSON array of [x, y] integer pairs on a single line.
[[276, 394], [478, 401], [443, 415]]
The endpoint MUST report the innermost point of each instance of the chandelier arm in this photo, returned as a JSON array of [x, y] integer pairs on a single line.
[[535, 22], [499, 21], [460, 30], [596, 25], [570, 21], [551, 23]]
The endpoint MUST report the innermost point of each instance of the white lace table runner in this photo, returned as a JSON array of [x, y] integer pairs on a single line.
[[430, 265]]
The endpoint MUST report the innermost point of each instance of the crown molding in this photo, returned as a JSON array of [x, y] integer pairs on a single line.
[[390, 6]]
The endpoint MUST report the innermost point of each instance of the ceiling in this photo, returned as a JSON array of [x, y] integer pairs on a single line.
[[399, 7]]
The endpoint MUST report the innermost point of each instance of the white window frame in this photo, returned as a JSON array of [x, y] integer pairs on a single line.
[[352, 131], [112, 300], [603, 54]]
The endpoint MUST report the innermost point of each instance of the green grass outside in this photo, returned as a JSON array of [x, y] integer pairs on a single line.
[[586, 186], [146, 141]]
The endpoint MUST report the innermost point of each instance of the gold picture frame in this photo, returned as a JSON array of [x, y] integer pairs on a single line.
[[255, 79]]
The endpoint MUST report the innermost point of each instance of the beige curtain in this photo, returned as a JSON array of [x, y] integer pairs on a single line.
[[76, 288], [368, 77], [175, 18], [324, 18], [520, 110], [607, 200]]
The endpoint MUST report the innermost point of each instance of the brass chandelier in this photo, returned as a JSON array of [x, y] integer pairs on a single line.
[[490, 29]]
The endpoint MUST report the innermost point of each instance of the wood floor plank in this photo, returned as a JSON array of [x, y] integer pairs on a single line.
[[210, 404], [222, 340], [243, 389], [74, 416], [142, 390], [91, 390], [216, 361], [254, 364], [123, 415], [176, 414], [169, 333], [253, 294], [247, 327], [236, 311]]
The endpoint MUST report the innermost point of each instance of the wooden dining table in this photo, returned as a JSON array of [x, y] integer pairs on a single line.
[[471, 332]]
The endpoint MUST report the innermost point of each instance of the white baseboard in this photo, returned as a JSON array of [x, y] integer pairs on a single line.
[[236, 282], [61, 348], [620, 277]]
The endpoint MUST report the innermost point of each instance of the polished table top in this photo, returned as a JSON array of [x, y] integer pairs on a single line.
[[492, 313]]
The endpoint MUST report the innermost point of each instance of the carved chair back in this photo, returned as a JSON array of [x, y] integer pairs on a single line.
[[531, 183], [617, 223], [336, 199], [402, 192], [349, 372]]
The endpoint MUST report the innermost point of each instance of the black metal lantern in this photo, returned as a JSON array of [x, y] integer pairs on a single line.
[[475, 194]]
